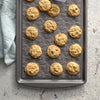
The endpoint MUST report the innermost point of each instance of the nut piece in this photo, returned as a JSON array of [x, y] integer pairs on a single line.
[[73, 10], [32, 13], [56, 69], [44, 5], [75, 31], [72, 68], [31, 33], [75, 50], [61, 39], [53, 51], [50, 26], [32, 69], [35, 51], [54, 10]]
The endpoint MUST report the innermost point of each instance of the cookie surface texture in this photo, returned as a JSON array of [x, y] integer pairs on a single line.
[[72, 68], [73, 10], [75, 31], [32, 13], [75, 50], [44, 5], [54, 10], [56, 69], [53, 51], [32, 69], [60, 39], [35, 51], [50, 26], [31, 32]]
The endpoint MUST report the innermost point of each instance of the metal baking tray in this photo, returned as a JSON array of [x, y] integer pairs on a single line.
[[64, 22]]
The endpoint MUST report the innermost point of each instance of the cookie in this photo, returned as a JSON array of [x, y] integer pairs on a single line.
[[35, 51], [73, 10], [29, 0], [50, 26], [72, 68], [32, 13], [32, 69], [44, 5], [61, 39], [75, 31], [56, 69], [31, 33], [75, 50], [53, 51], [54, 10]]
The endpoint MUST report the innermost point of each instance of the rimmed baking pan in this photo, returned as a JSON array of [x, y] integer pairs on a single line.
[[64, 22]]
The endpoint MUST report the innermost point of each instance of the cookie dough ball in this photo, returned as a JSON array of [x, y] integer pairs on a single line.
[[72, 68], [53, 51], [32, 13], [61, 39], [50, 26], [44, 5], [29, 0], [54, 10], [35, 51], [31, 33], [56, 69], [73, 10], [75, 50], [75, 31], [32, 69]]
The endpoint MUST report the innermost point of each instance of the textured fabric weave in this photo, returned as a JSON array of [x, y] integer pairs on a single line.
[[7, 30]]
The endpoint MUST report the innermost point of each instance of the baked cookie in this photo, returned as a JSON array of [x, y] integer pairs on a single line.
[[54, 10], [31, 33], [50, 26], [32, 13], [61, 39], [56, 69], [32, 69], [72, 68], [44, 5], [75, 50], [35, 51], [73, 10], [29, 0], [53, 51], [75, 31]]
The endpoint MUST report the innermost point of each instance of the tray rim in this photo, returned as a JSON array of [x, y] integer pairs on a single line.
[[47, 83]]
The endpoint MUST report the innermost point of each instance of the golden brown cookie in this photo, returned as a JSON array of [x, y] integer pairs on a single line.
[[75, 50], [32, 13], [75, 31], [44, 5], [50, 26], [61, 39], [32, 69], [73, 10], [31, 33], [29, 0], [56, 69], [53, 51], [72, 68], [35, 51], [54, 10]]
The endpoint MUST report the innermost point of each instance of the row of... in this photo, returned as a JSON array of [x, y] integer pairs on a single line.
[[56, 69]]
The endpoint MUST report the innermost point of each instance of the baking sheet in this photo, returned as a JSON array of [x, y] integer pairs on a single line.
[[45, 39]]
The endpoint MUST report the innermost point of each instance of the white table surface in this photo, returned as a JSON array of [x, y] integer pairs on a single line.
[[10, 90]]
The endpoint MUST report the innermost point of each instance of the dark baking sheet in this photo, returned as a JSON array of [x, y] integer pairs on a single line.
[[45, 39]]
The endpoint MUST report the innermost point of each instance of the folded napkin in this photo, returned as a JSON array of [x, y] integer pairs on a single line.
[[7, 30]]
